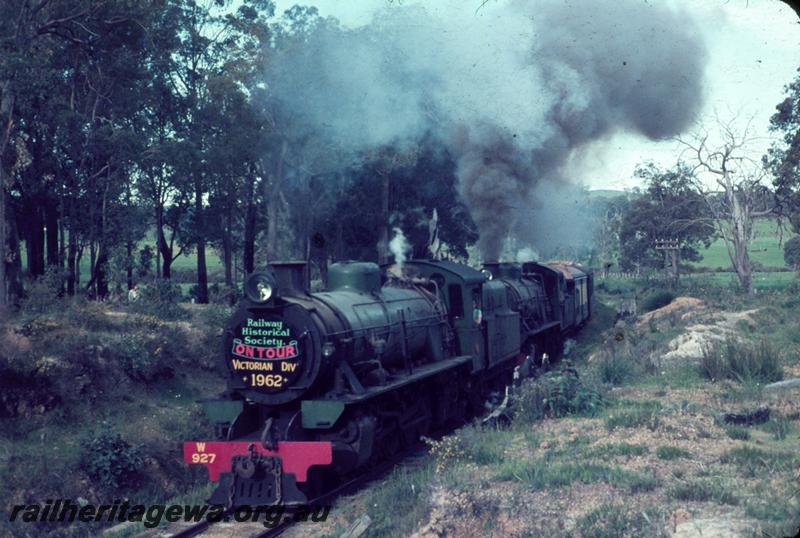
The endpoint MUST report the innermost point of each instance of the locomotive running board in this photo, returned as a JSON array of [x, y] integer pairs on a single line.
[[420, 373]]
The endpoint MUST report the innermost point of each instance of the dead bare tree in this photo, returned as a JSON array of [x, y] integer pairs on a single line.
[[733, 184]]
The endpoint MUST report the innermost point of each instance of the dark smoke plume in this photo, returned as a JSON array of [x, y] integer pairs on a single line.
[[513, 91]]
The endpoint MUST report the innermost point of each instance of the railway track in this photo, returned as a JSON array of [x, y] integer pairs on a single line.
[[229, 528]]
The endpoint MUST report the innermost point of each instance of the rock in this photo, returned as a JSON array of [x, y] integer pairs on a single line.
[[786, 384], [679, 517], [119, 529], [721, 527], [759, 416], [358, 528]]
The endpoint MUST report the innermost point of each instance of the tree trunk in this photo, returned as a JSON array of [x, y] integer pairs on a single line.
[[78, 267], [676, 267], [227, 249], [741, 228], [72, 247], [6, 255], [4, 251], [14, 263], [202, 274], [34, 244], [249, 254], [164, 250], [51, 229], [99, 274], [129, 248]]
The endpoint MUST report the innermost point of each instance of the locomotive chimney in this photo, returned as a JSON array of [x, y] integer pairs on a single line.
[[292, 277]]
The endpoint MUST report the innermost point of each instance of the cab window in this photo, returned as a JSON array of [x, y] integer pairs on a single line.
[[456, 301]]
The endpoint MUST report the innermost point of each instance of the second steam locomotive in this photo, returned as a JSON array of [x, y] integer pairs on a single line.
[[323, 385]]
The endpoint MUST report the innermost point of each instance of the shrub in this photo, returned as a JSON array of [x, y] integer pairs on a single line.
[[741, 361], [641, 414], [615, 368], [738, 432], [160, 299], [215, 317], [134, 356], [557, 393], [756, 462], [483, 446], [222, 294], [657, 300], [791, 252], [666, 452], [703, 491], [543, 474], [43, 293], [778, 426], [111, 461], [607, 451], [611, 521]]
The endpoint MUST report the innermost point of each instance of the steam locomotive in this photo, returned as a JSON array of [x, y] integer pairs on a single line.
[[322, 385]]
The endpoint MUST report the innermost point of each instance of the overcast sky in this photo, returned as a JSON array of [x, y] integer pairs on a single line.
[[754, 51]]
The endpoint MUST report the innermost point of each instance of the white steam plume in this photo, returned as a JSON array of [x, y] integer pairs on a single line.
[[399, 247]]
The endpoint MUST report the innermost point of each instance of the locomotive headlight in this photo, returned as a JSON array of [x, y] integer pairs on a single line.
[[327, 349], [487, 274], [259, 287]]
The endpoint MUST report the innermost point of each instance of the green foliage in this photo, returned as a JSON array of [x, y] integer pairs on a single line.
[[703, 491], [742, 361], [656, 300], [543, 474], [160, 299], [111, 461], [758, 462], [43, 293], [612, 521], [668, 452], [615, 368], [139, 362], [791, 252], [607, 451], [661, 212], [400, 502], [557, 393], [778, 425], [640, 414], [772, 508], [737, 432], [483, 446]]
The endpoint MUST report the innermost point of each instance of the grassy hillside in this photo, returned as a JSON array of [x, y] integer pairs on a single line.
[[766, 248], [604, 193]]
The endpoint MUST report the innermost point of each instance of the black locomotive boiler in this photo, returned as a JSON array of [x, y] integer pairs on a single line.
[[322, 385]]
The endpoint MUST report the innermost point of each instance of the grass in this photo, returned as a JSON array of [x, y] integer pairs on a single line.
[[542, 474], [703, 491], [757, 462], [742, 361], [737, 432], [612, 521], [765, 248], [400, 502], [610, 450], [669, 453], [636, 415]]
